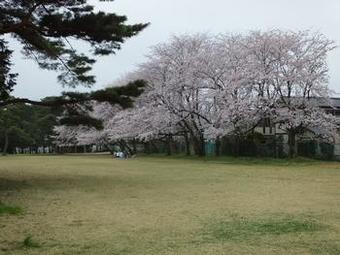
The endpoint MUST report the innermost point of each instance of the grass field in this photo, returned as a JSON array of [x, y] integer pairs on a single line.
[[152, 205]]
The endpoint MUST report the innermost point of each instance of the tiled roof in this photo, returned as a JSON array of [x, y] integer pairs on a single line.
[[333, 102]]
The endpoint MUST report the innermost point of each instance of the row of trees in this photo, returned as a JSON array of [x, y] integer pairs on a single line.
[[203, 87], [26, 126]]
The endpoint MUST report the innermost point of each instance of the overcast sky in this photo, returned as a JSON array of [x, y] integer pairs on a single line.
[[169, 17]]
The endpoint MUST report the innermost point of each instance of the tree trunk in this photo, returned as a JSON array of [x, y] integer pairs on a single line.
[[154, 148], [134, 146], [199, 146], [169, 145], [110, 149], [147, 148], [128, 148], [125, 148], [218, 147], [5, 148], [203, 154], [237, 146], [292, 144], [187, 144]]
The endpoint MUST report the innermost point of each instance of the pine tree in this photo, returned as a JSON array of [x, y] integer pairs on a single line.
[[46, 30]]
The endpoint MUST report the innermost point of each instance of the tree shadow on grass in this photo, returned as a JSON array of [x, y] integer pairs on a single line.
[[69, 182], [8, 184]]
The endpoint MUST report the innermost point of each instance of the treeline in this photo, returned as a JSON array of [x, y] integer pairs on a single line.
[[26, 126]]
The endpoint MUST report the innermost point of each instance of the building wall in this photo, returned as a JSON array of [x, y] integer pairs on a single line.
[[276, 131]]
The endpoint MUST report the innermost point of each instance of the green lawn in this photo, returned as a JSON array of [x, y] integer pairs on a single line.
[[153, 205]]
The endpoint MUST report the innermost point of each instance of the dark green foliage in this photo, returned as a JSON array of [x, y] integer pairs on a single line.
[[7, 79], [327, 151], [29, 243], [26, 125], [78, 119], [77, 111], [18, 136], [243, 229], [121, 95], [46, 30], [307, 148], [252, 145], [9, 210]]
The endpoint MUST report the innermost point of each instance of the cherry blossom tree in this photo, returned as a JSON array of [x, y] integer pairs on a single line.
[[290, 76], [78, 135], [201, 87], [235, 110], [172, 73]]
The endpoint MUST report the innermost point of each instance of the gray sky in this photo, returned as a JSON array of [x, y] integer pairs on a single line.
[[170, 17]]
